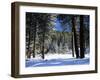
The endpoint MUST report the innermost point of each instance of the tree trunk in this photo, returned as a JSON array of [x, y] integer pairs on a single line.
[[82, 40], [34, 44], [43, 47], [75, 36], [43, 39], [73, 47], [34, 39], [63, 38], [29, 52]]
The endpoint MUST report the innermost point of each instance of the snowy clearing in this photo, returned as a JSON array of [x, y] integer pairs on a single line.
[[56, 60]]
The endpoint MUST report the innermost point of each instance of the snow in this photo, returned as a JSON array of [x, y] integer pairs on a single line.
[[57, 56], [56, 60], [52, 56]]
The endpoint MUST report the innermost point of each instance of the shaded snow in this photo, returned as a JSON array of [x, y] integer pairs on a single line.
[[56, 60]]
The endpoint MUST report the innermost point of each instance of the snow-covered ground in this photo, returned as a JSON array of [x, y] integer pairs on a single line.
[[56, 60]]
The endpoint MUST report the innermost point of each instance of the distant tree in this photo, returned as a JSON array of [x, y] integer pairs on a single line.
[[69, 21]]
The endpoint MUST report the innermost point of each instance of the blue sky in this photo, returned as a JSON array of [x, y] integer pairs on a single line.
[[58, 26]]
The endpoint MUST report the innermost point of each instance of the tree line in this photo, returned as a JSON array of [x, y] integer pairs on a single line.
[[41, 37]]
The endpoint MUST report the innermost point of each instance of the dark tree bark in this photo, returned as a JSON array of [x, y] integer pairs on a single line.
[[34, 38], [43, 39], [63, 38], [73, 44], [82, 40], [29, 52], [28, 26], [75, 36], [34, 43]]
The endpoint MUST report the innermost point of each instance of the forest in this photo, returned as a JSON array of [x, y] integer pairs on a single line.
[[51, 33]]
